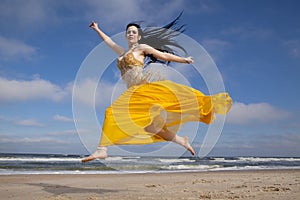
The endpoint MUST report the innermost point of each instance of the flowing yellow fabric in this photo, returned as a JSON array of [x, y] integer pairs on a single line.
[[161, 104]]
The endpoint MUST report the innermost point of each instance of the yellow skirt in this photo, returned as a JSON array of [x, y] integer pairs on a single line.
[[161, 104]]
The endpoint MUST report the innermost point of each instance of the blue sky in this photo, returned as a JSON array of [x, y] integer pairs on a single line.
[[255, 45]]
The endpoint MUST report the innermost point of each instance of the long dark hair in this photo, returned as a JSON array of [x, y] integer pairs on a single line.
[[161, 38]]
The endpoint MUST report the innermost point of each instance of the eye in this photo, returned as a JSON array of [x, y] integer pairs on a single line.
[[133, 32]]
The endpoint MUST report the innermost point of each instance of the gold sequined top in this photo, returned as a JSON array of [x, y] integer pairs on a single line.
[[133, 72], [128, 61]]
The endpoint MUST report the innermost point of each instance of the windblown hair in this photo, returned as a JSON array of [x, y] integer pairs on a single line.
[[161, 38]]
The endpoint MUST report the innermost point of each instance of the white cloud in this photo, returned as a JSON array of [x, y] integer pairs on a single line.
[[29, 122], [62, 118], [241, 113], [22, 122], [241, 32], [115, 13], [293, 47], [22, 90], [215, 44], [28, 15], [28, 140], [216, 47], [36, 15], [272, 144], [10, 48], [83, 92], [88, 92], [70, 132]]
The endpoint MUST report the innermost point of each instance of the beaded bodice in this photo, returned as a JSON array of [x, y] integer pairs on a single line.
[[132, 71], [128, 61]]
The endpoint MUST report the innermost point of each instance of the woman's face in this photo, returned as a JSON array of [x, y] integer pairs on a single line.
[[132, 35]]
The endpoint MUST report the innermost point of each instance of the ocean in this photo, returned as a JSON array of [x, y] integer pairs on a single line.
[[71, 164]]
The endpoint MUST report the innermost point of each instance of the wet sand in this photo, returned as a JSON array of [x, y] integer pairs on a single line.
[[262, 184]]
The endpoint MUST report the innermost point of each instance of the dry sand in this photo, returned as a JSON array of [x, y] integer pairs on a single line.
[[263, 184]]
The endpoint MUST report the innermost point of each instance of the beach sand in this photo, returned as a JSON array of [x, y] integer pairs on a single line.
[[261, 184]]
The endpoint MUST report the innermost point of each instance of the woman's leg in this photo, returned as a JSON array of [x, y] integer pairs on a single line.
[[169, 136], [100, 153]]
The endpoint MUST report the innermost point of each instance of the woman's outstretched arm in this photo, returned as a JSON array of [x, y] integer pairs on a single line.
[[115, 47], [148, 50]]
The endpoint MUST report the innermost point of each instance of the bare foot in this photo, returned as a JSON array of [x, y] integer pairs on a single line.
[[188, 146], [100, 153]]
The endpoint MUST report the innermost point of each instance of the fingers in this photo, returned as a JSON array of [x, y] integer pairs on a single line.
[[190, 60], [93, 24]]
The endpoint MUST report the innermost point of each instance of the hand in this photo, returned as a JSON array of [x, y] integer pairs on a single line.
[[93, 25], [189, 60]]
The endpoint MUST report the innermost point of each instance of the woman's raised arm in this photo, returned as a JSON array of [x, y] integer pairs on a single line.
[[115, 47], [148, 50]]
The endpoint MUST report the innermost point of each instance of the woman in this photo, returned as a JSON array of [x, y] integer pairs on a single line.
[[150, 112]]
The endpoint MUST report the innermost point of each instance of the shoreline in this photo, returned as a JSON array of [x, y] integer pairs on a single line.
[[245, 184], [154, 172], [132, 172]]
